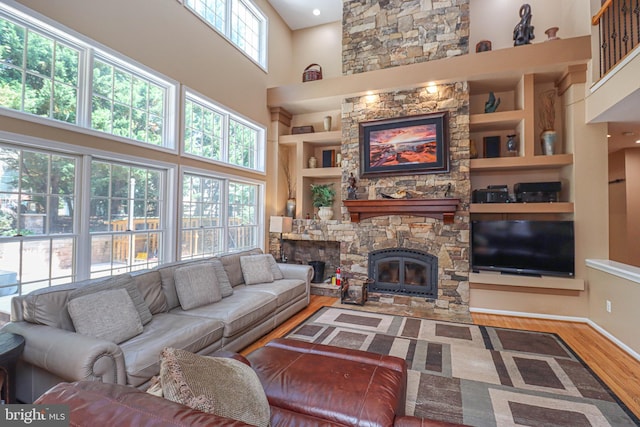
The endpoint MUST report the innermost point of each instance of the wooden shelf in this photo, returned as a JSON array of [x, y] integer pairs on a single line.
[[521, 208], [521, 163], [544, 282], [498, 121], [322, 172], [320, 138], [443, 209]]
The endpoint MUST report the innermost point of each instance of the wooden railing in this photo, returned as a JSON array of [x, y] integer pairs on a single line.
[[619, 31]]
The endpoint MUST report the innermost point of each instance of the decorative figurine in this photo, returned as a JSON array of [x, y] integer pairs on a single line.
[[523, 31], [492, 103], [351, 189], [483, 46]]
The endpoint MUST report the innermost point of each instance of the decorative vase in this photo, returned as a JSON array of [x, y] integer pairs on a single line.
[[325, 213], [548, 140], [512, 145], [313, 162], [338, 160], [327, 123], [290, 209], [551, 33]]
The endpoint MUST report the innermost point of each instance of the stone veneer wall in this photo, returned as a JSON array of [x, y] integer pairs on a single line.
[[449, 242], [378, 34]]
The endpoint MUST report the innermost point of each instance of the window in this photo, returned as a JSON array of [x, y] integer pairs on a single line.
[[127, 104], [218, 215], [213, 133], [240, 21], [42, 73], [126, 225], [38, 73], [37, 219]]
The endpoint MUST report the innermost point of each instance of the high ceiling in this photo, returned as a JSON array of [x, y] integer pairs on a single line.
[[299, 14]]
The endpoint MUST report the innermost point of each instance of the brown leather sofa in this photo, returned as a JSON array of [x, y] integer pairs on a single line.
[[306, 385]]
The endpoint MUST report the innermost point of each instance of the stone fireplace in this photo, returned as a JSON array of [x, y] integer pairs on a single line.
[[405, 272]]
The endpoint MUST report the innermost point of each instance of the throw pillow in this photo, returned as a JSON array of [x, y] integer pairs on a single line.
[[196, 285], [108, 315], [124, 281], [256, 269], [216, 385], [275, 269], [223, 280]]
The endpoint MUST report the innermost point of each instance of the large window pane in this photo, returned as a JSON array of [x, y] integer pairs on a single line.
[[38, 73], [242, 219], [201, 217], [126, 205]]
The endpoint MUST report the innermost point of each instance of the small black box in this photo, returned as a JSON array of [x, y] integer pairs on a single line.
[[537, 192], [491, 195]]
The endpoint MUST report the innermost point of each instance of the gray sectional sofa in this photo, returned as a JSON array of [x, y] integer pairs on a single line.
[[73, 333]]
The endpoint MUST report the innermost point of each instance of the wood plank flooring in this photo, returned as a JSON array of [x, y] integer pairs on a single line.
[[615, 367]]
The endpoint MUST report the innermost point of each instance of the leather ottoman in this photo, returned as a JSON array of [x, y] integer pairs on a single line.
[[314, 384]]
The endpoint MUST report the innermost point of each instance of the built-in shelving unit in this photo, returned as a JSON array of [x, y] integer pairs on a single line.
[[544, 282], [303, 146]]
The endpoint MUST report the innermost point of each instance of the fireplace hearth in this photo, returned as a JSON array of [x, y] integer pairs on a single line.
[[404, 271]]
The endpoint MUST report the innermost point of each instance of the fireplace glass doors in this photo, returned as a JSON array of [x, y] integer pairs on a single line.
[[404, 271]]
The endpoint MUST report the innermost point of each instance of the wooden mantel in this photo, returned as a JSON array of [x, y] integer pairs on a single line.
[[443, 209]]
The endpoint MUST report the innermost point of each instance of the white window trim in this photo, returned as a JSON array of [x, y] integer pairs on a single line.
[[262, 63], [227, 113], [88, 48], [226, 177], [85, 156]]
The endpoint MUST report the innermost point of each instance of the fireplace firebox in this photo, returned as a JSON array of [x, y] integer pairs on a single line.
[[403, 271]]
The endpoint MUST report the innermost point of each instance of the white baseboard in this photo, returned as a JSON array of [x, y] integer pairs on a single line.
[[589, 322]]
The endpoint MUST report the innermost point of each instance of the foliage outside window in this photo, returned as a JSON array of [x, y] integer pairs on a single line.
[[127, 104], [126, 224], [240, 21], [213, 223], [38, 73], [213, 133], [37, 219]]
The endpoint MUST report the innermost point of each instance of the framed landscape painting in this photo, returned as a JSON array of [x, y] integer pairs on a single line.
[[405, 145]]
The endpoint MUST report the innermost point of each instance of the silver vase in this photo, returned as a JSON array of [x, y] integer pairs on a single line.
[[548, 140], [290, 209]]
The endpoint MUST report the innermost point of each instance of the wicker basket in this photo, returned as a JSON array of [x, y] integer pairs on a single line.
[[311, 73]]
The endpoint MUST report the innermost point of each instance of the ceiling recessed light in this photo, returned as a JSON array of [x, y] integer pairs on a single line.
[[608, 135], [316, 12], [638, 141], [627, 133]]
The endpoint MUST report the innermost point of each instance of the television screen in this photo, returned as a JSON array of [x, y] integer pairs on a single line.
[[523, 247]]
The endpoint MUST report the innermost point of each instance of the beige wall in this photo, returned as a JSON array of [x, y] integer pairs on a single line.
[[317, 45], [624, 295], [624, 205]]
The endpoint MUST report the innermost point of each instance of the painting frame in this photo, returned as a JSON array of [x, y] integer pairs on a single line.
[[379, 156]]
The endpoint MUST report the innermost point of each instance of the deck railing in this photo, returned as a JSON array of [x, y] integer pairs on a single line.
[[619, 31]]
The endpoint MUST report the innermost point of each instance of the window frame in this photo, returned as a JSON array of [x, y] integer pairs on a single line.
[[262, 60], [228, 114], [88, 50], [226, 179]]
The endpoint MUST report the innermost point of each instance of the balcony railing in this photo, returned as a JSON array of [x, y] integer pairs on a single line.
[[619, 30]]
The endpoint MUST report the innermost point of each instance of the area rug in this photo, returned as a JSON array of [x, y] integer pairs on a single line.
[[477, 375]]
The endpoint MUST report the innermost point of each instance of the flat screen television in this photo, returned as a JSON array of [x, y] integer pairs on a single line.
[[523, 247]]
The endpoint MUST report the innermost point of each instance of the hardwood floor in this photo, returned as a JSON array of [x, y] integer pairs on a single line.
[[615, 367]]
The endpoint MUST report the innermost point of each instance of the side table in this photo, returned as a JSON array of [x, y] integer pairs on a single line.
[[353, 291], [11, 346]]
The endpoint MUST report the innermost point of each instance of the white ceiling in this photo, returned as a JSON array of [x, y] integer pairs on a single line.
[[298, 14]]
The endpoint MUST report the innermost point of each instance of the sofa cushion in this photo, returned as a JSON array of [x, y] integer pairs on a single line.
[[167, 280], [256, 269], [108, 315], [231, 263], [142, 352], [238, 312], [223, 280], [149, 284], [48, 306], [217, 385], [196, 285], [124, 281], [285, 290]]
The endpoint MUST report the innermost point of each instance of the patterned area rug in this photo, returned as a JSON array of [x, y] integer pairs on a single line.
[[477, 375]]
